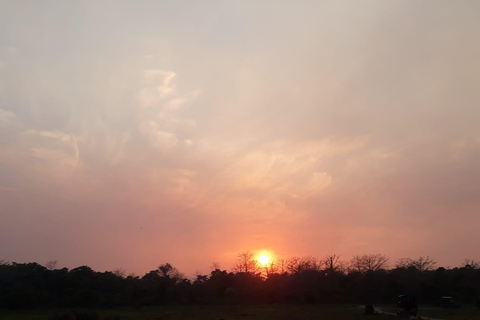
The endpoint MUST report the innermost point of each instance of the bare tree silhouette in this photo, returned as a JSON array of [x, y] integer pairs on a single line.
[[50, 265], [471, 264], [332, 263], [246, 263], [421, 264], [271, 268], [368, 262], [300, 264], [119, 272], [282, 265]]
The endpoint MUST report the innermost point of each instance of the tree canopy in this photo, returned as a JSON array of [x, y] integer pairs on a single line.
[[295, 280]]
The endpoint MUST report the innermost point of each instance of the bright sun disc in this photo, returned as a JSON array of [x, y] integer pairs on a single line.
[[264, 259]]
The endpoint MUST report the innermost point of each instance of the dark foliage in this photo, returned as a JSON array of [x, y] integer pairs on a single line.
[[30, 285]]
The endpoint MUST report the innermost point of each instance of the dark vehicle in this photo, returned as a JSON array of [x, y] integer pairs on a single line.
[[407, 305], [449, 302]]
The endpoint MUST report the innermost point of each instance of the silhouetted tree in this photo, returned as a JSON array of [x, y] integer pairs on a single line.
[[472, 264], [332, 263], [30, 285], [282, 265], [301, 264], [119, 272], [368, 262], [421, 264], [168, 271], [246, 263], [271, 268], [50, 265]]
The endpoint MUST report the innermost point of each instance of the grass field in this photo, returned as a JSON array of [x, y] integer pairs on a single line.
[[463, 313], [238, 312]]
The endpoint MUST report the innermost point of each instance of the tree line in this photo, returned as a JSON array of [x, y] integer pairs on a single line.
[[363, 279]]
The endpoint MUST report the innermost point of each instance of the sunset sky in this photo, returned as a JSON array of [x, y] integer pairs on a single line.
[[134, 133]]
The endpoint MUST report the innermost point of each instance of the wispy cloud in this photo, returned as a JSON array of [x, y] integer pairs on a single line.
[[343, 130], [6, 116], [157, 86]]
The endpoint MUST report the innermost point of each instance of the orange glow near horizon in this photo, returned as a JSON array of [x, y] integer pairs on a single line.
[[264, 259]]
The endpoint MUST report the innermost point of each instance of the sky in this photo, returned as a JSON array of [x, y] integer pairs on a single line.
[[134, 133]]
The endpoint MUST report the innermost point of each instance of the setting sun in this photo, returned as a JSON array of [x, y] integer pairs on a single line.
[[264, 259]]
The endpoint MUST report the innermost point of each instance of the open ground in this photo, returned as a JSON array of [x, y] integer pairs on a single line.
[[238, 312]]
